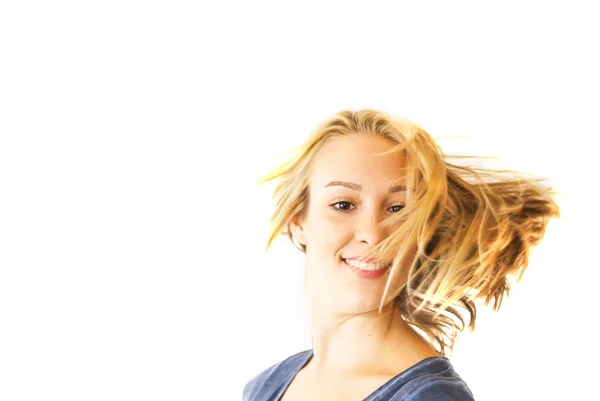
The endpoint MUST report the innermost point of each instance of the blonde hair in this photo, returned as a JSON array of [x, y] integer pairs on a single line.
[[473, 228]]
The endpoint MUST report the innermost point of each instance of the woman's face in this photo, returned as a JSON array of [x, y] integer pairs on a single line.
[[351, 192]]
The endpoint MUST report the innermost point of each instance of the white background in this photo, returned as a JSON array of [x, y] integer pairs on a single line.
[[132, 234]]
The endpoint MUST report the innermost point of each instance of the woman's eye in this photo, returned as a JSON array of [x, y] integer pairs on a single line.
[[344, 206], [399, 207]]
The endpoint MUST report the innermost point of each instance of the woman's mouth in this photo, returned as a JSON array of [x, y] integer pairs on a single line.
[[366, 270]]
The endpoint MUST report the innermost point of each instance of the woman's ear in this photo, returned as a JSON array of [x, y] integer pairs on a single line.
[[297, 229]]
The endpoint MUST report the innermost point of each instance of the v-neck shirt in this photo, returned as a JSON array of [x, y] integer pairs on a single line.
[[431, 379]]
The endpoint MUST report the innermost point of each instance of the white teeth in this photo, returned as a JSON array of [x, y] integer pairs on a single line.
[[365, 266]]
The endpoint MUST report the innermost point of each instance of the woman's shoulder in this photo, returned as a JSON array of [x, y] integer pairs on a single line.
[[431, 379], [270, 379]]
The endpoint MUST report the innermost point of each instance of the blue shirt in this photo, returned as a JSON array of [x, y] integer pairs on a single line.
[[432, 379]]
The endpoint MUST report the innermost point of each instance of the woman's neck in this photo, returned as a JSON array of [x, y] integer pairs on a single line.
[[368, 344]]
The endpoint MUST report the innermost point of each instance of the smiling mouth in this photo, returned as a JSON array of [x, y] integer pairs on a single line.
[[366, 266]]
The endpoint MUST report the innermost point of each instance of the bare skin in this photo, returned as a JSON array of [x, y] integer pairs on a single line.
[[315, 383], [352, 357]]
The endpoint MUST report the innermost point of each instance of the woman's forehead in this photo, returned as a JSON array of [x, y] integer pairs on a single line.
[[357, 160]]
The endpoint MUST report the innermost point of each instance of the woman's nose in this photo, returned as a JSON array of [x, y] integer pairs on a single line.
[[369, 228]]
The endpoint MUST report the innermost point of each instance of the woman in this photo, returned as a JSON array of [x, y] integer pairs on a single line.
[[399, 245]]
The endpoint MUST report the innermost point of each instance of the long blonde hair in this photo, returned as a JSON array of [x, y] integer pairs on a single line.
[[473, 228]]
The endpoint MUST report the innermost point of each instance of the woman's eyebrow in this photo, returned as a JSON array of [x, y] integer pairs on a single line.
[[358, 187]]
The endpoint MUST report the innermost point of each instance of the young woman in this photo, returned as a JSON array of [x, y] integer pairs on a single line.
[[399, 245]]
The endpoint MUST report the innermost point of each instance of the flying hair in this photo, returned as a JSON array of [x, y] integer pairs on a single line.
[[470, 229]]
